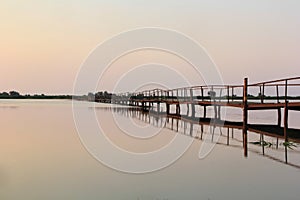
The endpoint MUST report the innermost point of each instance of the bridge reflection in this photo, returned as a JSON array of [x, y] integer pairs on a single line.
[[261, 140]]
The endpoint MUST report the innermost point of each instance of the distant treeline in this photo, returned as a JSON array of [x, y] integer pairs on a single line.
[[106, 97], [17, 95], [103, 97]]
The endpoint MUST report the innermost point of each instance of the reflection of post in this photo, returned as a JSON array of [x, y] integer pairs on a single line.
[[213, 133], [262, 142], [245, 117], [228, 136], [201, 131], [191, 129]]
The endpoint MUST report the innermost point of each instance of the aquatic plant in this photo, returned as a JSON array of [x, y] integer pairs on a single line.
[[289, 145], [262, 143]]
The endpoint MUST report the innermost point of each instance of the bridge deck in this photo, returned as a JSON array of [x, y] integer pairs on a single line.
[[237, 104]]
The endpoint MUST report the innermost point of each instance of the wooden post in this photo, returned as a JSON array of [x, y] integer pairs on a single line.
[[245, 117], [286, 112], [191, 95], [220, 96], [227, 94], [263, 92], [277, 92], [192, 103], [261, 95]]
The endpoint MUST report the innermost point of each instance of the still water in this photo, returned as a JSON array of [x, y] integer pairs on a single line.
[[42, 157]]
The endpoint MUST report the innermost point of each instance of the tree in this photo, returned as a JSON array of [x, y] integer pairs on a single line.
[[4, 94], [14, 93], [91, 96]]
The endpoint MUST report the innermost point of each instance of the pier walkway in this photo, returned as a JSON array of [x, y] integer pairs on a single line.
[[280, 95]]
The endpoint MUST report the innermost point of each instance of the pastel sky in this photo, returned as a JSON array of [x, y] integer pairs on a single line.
[[44, 42]]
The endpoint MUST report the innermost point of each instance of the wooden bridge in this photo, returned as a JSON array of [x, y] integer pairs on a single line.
[[280, 95]]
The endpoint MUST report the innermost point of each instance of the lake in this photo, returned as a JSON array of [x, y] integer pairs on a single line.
[[44, 157]]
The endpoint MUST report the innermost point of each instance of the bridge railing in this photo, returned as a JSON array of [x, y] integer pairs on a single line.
[[281, 89], [276, 90]]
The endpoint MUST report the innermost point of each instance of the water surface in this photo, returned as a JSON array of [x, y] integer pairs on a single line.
[[42, 157]]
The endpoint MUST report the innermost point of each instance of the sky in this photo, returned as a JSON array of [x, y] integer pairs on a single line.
[[44, 43]]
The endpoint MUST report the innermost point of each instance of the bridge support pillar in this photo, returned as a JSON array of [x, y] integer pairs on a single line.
[[188, 109], [177, 109], [279, 117], [168, 108], [193, 110], [191, 129]]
